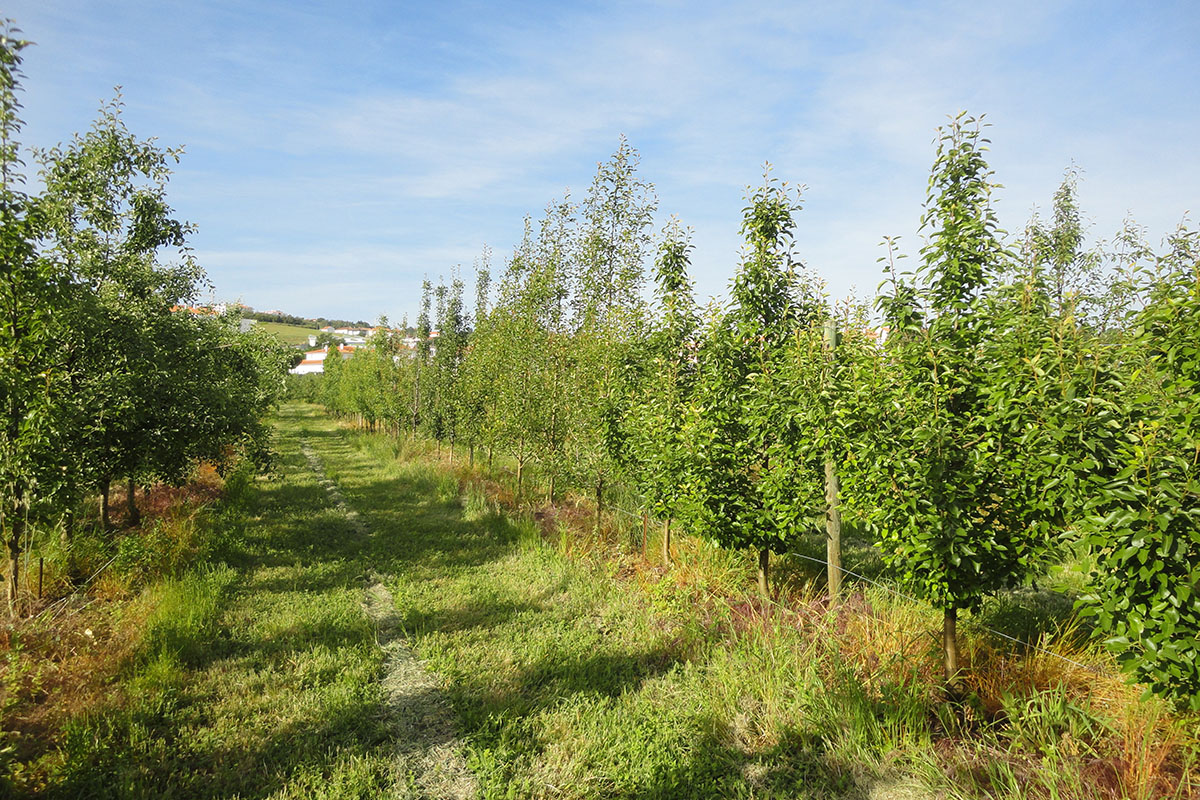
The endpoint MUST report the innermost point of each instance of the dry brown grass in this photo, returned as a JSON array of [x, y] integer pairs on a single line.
[[63, 656], [62, 664]]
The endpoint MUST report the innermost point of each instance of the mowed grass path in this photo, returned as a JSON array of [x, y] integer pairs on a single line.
[[565, 681], [277, 695], [568, 682]]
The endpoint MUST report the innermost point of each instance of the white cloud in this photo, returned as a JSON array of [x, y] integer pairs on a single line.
[[348, 157]]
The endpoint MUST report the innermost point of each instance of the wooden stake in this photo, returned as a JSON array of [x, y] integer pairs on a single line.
[[666, 541], [833, 513], [950, 648]]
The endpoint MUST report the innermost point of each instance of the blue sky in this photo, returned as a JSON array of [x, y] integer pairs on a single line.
[[338, 153]]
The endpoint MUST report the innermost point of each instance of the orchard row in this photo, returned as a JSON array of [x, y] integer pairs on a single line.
[[1007, 401], [105, 374]]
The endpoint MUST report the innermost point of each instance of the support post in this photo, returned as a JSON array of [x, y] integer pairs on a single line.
[[950, 649], [599, 505], [833, 512]]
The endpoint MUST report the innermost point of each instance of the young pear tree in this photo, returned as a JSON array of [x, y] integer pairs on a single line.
[[663, 375], [35, 457], [737, 425], [477, 397], [1146, 534], [106, 207], [965, 477], [615, 238]]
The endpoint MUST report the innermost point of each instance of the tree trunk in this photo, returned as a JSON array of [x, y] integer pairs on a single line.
[[833, 531], [471, 456], [645, 531], [15, 532], [833, 512], [520, 477], [553, 481], [490, 448], [65, 537], [135, 516], [764, 566], [667, 541], [950, 647], [105, 521], [68, 526]]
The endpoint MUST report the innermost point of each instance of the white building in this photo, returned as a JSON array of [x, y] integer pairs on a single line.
[[314, 360]]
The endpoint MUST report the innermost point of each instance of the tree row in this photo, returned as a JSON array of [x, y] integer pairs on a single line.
[[106, 374], [1008, 400]]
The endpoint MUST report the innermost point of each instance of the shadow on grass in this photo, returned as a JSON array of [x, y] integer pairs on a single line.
[[1031, 615], [612, 673], [476, 616], [796, 767], [143, 752]]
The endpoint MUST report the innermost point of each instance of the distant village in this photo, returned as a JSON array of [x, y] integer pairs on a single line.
[[338, 336], [351, 338]]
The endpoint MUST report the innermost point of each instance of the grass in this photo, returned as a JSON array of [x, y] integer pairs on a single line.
[[580, 670], [290, 334], [575, 667], [257, 677]]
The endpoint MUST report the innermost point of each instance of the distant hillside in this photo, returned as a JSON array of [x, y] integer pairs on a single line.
[[289, 334], [300, 322]]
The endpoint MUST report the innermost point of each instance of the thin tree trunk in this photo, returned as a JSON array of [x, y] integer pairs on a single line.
[[667, 541], [833, 511], [15, 532], [520, 477], [65, 537], [833, 531], [471, 457], [950, 648], [645, 531], [764, 566], [490, 448], [553, 482], [135, 516], [105, 521]]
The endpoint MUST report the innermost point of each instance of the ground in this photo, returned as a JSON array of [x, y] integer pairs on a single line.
[[381, 627]]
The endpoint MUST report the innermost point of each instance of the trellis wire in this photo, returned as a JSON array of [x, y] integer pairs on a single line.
[[885, 587], [911, 599]]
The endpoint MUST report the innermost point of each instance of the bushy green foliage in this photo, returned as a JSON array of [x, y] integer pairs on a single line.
[[1001, 404], [102, 376], [34, 383], [1147, 544], [661, 373], [980, 457], [737, 423]]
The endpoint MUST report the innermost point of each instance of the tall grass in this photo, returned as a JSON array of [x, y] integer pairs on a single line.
[[793, 698]]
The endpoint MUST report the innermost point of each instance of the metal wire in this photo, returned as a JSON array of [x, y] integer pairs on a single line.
[[900, 594], [912, 599]]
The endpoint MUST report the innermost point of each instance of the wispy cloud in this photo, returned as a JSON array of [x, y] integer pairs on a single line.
[[325, 142]]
